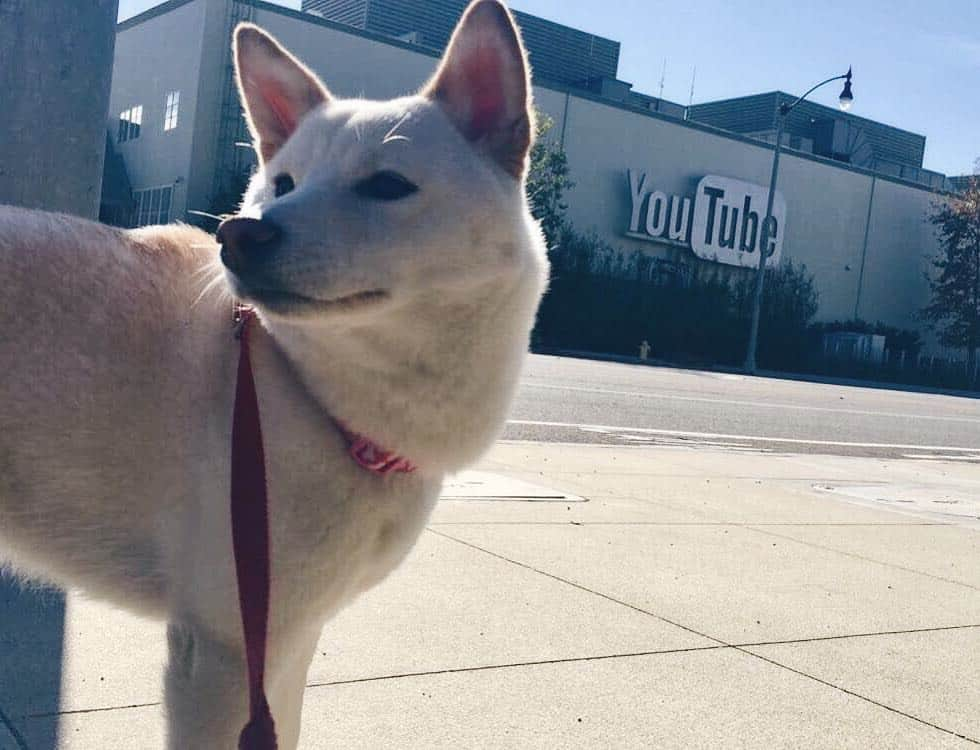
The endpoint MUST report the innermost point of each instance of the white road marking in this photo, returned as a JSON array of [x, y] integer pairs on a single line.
[[738, 402], [939, 457], [723, 436]]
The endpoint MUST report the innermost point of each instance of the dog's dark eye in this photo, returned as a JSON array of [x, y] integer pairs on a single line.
[[283, 184], [385, 186]]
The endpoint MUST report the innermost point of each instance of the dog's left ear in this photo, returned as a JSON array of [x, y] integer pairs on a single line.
[[277, 90], [484, 87]]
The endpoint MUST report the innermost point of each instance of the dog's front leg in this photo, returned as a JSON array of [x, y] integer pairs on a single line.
[[206, 690], [286, 668]]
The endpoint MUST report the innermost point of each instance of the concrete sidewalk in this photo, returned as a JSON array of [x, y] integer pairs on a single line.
[[609, 597]]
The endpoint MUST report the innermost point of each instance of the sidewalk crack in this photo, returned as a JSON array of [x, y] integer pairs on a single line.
[[514, 665], [861, 697], [577, 586], [860, 557], [740, 648], [6, 723], [817, 639], [96, 710]]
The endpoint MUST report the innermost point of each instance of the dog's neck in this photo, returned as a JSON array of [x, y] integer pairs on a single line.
[[434, 389]]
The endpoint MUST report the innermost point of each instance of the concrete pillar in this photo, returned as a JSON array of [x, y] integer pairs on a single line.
[[55, 73]]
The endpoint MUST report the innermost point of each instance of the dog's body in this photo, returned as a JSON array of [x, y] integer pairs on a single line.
[[402, 314]]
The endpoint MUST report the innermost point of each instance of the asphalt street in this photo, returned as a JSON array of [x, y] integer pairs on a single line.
[[582, 401]]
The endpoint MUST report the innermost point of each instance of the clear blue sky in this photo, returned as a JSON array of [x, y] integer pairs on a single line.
[[916, 65]]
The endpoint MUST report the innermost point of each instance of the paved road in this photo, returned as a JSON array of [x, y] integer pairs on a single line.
[[563, 399]]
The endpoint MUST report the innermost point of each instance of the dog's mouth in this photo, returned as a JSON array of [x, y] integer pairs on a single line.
[[285, 303]]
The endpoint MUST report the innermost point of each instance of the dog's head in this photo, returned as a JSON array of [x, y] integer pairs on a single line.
[[361, 209]]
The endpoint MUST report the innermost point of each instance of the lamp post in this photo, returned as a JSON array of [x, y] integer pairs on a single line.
[[768, 224]]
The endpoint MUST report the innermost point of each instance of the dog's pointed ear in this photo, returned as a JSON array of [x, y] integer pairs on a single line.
[[483, 85], [277, 90]]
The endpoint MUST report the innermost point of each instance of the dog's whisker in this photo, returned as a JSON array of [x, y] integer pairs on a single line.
[[206, 214], [210, 287], [391, 136], [209, 268], [212, 265]]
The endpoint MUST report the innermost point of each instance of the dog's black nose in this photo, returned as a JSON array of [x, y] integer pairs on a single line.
[[243, 240]]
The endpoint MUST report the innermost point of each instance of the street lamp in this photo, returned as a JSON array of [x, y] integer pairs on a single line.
[[768, 228]]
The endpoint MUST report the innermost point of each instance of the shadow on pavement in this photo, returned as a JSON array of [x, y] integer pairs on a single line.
[[32, 626]]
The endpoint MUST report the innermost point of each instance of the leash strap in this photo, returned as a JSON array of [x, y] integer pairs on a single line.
[[250, 529], [250, 536]]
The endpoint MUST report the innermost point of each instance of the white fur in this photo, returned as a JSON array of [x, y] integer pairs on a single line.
[[119, 374]]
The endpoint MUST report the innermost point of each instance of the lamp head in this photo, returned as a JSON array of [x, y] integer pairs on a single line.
[[846, 97]]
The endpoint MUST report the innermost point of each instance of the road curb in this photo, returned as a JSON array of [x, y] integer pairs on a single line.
[[770, 374]]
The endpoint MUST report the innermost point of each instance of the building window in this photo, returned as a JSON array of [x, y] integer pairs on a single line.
[[135, 120], [170, 113], [129, 124], [152, 206], [123, 127]]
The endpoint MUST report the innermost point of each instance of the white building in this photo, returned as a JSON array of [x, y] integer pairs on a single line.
[[861, 233]]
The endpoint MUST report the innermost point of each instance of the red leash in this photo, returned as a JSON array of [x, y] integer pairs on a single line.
[[250, 535], [250, 529]]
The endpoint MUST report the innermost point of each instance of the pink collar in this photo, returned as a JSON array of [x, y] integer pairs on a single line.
[[372, 457], [366, 453]]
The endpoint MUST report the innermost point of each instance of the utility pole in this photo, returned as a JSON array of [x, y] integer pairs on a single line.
[[768, 228], [55, 74]]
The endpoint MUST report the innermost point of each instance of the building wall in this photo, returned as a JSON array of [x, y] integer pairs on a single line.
[[162, 54], [900, 244], [827, 206], [826, 217], [831, 209], [350, 65], [55, 67], [219, 119]]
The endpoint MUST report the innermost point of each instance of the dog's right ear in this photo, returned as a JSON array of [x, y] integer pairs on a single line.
[[277, 90], [483, 85]]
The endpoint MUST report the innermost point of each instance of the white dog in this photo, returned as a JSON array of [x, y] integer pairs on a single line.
[[389, 252]]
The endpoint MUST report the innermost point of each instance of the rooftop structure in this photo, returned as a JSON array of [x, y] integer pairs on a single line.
[[963, 182], [823, 131], [558, 53]]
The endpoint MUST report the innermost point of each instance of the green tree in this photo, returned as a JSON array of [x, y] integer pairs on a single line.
[[547, 182], [790, 302], [954, 311]]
